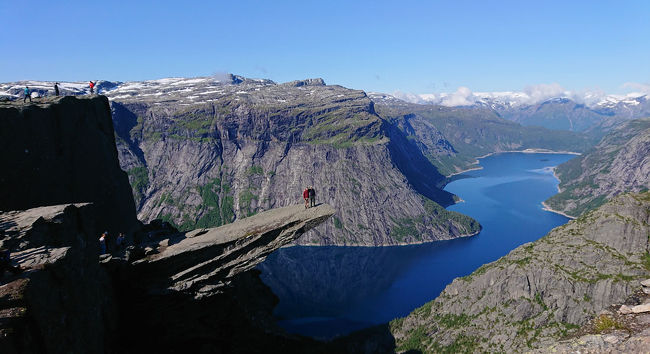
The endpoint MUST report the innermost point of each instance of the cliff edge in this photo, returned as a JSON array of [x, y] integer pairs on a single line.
[[62, 150]]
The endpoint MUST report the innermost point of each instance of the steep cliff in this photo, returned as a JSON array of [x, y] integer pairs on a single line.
[[453, 137], [619, 163], [203, 153], [62, 150], [541, 290]]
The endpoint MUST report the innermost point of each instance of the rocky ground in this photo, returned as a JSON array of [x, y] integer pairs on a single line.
[[194, 291], [618, 329], [540, 291], [62, 301]]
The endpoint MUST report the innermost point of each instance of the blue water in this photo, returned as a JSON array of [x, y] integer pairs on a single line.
[[325, 292]]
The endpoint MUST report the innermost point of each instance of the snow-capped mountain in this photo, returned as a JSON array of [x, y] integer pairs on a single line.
[[547, 106]]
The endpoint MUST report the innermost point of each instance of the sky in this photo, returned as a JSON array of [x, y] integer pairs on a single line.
[[384, 46]]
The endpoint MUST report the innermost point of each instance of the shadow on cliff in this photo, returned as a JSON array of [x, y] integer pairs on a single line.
[[421, 174], [124, 121]]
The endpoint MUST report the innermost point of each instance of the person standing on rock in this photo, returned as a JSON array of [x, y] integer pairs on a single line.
[[28, 94], [56, 88], [305, 195], [5, 262], [312, 197], [102, 243], [92, 87], [120, 241]]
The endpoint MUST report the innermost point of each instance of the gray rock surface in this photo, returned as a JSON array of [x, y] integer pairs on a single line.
[[62, 150], [202, 261], [620, 163], [62, 301], [610, 332], [541, 290], [194, 292]]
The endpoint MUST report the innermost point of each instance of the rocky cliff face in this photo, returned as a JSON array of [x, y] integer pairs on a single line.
[[62, 150], [452, 137], [619, 163], [202, 153], [541, 290]]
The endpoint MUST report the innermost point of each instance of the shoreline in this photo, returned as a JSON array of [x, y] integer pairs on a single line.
[[393, 245], [525, 151], [467, 170], [533, 151], [549, 209]]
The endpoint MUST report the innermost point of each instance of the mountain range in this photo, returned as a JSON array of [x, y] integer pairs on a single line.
[[202, 152], [589, 112]]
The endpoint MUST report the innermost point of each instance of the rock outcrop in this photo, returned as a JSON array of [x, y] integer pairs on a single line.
[[194, 291], [202, 261], [62, 301], [62, 150], [202, 153], [540, 291], [620, 163], [198, 291], [617, 329]]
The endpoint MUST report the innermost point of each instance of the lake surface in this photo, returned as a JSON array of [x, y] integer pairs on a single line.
[[329, 291]]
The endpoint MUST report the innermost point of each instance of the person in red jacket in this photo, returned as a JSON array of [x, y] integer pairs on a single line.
[[92, 87], [305, 195]]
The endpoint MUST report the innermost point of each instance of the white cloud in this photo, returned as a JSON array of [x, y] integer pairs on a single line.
[[636, 86], [532, 94], [412, 97], [543, 92], [462, 97]]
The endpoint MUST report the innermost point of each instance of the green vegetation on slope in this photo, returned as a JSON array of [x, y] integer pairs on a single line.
[[139, 179], [588, 181], [216, 207], [410, 229]]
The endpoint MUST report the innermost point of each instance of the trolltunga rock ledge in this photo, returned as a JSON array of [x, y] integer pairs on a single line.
[[202, 261]]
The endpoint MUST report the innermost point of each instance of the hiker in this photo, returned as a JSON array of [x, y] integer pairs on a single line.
[[92, 87], [102, 243], [56, 88], [312, 197], [28, 94], [305, 195], [5, 262], [120, 241]]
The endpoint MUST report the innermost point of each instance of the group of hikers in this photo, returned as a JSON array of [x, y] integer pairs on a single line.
[[310, 197], [120, 242], [28, 92]]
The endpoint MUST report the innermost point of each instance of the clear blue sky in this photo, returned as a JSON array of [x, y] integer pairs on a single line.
[[412, 46]]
